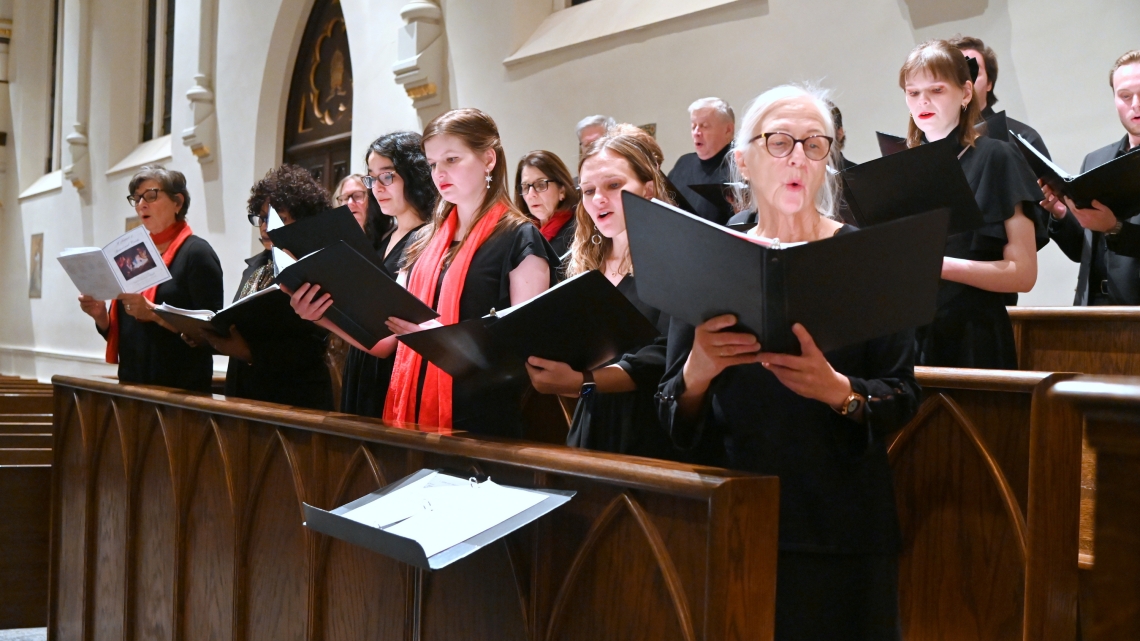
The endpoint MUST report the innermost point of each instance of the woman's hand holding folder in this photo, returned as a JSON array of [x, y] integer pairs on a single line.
[[809, 374]]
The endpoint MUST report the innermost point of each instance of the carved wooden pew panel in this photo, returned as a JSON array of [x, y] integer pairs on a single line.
[[179, 517], [986, 484]]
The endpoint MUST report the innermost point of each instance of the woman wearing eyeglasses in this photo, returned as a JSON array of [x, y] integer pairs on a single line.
[[817, 421], [284, 364], [545, 192], [400, 184], [147, 349]]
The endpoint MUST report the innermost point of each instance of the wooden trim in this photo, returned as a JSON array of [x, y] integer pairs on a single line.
[[688, 480], [979, 379], [1106, 313]]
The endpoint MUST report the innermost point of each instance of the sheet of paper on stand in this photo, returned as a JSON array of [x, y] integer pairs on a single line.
[[440, 511]]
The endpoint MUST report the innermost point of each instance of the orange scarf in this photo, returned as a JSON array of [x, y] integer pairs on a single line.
[[176, 234], [434, 406], [555, 223]]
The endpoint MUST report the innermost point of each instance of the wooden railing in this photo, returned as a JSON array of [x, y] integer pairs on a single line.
[[1089, 340], [25, 498], [178, 516]]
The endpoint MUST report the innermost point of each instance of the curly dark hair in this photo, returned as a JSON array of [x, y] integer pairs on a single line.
[[289, 188], [405, 150]]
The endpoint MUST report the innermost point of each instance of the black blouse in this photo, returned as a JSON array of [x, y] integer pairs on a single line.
[[287, 366], [477, 407], [971, 327], [836, 490], [627, 423], [364, 383], [152, 355], [564, 238]]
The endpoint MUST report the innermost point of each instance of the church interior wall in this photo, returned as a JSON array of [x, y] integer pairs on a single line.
[[1053, 76]]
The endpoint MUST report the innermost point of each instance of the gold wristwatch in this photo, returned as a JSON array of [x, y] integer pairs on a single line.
[[851, 404]]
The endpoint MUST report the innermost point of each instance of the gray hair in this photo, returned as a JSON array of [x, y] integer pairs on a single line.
[[605, 122], [716, 104], [826, 201], [171, 182]]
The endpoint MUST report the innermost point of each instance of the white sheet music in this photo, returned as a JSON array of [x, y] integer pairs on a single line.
[[440, 511]]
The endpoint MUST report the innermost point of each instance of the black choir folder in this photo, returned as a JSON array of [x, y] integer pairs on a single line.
[[844, 290], [363, 296], [266, 313], [1116, 184], [920, 179], [583, 321], [432, 518], [314, 233]]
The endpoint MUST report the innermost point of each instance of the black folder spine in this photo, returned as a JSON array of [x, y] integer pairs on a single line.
[[777, 327], [358, 333]]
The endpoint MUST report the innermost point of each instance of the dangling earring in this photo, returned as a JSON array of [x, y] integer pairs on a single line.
[[488, 180], [597, 237]]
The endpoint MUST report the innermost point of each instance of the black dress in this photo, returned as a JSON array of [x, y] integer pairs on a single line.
[[477, 407], [364, 383], [288, 359], [626, 422], [838, 534], [971, 327], [152, 355]]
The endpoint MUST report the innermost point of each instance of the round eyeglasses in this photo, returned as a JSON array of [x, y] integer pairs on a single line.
[[149, 195], [780, 144], [539, 186], [386, 179]]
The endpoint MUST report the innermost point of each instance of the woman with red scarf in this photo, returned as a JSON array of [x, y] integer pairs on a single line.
[[545, 192], [477, 253], [147, 349]]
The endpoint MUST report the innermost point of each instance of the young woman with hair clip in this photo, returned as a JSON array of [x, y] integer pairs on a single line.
[[399, 187], [616, 411], [545, 191], [971, 327], [477, 253]]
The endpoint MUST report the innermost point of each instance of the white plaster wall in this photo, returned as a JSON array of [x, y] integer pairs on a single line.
[[1054, 59]]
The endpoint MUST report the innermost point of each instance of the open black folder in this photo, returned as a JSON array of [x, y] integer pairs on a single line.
[[910, 182], [263, 313], [583, 321], [363, 296], [1116, 184], [844, 290], [308, 235], [457, 516]]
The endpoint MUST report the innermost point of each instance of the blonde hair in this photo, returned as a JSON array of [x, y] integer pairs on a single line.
[[644, 157], [478, 131], [945, 62], [340, 187], [758, 111], [1132, 57]]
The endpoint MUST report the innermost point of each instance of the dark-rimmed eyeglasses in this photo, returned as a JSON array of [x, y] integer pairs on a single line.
[[540, 185], [780, 144], [257, 219], [386, 179], [149, 195], [352, 196]]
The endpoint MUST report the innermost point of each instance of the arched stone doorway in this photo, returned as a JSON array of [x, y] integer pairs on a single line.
[[318, 123]]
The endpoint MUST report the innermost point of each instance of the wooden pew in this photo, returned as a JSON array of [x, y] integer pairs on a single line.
[[178, 516], [1110, 408], [1089, 340], [25, 500], [986, 480]]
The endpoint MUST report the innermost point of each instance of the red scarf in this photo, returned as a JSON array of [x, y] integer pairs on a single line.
[[555, 223], [176, 234], [435, 409]]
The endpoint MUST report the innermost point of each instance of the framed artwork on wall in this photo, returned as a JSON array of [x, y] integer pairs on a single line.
[[36, 270]]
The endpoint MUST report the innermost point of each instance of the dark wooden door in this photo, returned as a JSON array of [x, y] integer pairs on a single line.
[[318, 126]]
